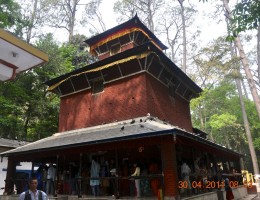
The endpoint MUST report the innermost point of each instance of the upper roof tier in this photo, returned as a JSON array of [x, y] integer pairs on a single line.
[[132, 30]]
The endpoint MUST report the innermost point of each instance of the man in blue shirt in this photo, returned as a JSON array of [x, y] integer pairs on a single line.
[[33, 193]]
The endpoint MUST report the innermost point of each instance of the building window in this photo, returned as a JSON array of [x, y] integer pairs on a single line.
[[114, 49], [97, 86]]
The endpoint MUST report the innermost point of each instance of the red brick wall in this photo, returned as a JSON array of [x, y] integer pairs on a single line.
[[124, 99], [175, 110]]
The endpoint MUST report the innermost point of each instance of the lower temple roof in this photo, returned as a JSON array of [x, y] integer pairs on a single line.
[[141, 127]]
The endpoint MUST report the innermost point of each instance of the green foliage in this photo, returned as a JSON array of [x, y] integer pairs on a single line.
[[221, 121], [78, 54], [9, 13], [257, 143], [246, 16], [218, 112], [11, 17], [29, 111]]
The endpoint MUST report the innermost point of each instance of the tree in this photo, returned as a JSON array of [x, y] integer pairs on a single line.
[[35, 13], [79, 54], [212, 63], [244, 61], [226, 129], [258, 51], [10, 16], [125, 9], [9, 13], [30, 111], [170, 26], [246, 16], [217, 110], [93, 15], [63, 15], [237, 77], [184, 39], [146, 9]]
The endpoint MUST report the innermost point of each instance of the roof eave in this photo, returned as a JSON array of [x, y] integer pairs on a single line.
[[174, 131], [10, 38]]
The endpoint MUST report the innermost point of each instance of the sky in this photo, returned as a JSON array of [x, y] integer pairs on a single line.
[[209, 28]]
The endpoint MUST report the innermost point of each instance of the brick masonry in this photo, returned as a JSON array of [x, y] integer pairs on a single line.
[[127, 98]]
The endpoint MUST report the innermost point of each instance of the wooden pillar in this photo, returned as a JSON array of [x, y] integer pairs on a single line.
[[56, 179], [169, 167], [79, 181], [241, 162], [32, 169], [9, 181], [117, 172]]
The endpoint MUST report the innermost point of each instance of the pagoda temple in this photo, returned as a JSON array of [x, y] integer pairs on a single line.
[[132, 105]]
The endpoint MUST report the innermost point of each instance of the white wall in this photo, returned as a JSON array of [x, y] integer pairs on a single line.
[[3, 168]]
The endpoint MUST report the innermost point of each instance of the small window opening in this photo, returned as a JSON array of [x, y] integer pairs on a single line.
[[114, 49], [97, 86]]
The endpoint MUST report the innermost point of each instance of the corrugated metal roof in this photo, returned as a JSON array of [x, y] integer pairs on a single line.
[[11, 143], [117, 131], [96, 134]]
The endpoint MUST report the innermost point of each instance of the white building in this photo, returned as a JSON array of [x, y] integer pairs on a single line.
[[5, 145]]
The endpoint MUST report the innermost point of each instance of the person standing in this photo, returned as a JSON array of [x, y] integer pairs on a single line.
[[94, 173], [137, 181], [44, 177], [228, 189], [51, 173], [114, 182], [33, 193], [185, 174]]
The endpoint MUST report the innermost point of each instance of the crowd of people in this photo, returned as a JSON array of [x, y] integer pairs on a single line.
[[200, 176], [101, 177]]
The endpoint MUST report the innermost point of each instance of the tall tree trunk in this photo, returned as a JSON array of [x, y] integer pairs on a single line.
[[244, 114], [258, 52], [245, 62], [72, 9], [184, 60], [244, 88], [31, 25], [150, 16], [247, 128], [201, 118]]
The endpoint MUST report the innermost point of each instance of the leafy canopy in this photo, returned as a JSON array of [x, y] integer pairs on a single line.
[[246, 15]]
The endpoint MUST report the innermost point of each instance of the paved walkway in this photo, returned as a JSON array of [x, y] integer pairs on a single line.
[[251, 197]]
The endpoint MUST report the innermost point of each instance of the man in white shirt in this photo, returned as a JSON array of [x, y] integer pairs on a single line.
[[94, 173], [33, 193], [51, 173]]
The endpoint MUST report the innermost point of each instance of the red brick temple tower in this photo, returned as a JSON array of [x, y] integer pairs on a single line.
[[133, 103], [133, 77]]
